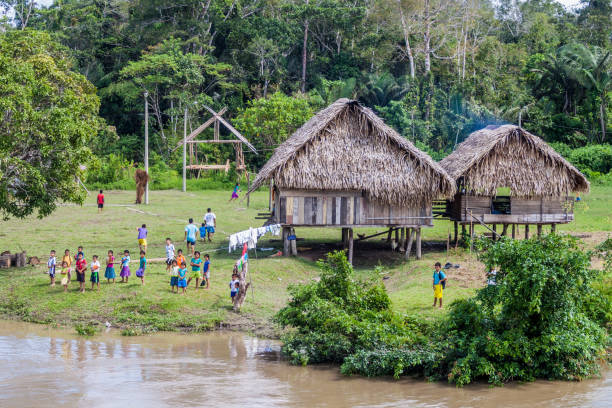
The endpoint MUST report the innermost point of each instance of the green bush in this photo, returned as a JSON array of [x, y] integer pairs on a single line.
[[543, 319], [339, 316], [592, 157]]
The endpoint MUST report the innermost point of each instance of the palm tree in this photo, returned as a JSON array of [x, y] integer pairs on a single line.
[[592, 71], [379, 90]]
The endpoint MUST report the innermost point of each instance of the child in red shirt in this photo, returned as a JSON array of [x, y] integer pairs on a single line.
[[100, 201]]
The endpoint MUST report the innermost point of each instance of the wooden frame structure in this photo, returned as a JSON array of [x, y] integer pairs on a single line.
[[216, 120]]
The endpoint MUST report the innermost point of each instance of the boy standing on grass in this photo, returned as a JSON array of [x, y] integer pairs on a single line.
[[211, 223], [169, 254], [191, 234], [438, 279], [100, 201], [234, 286], [67, 259], [142, 237], [207, 270], [174, 276], [95, 272], [51, 265], [81, 267], [196, 273], [182, 275]]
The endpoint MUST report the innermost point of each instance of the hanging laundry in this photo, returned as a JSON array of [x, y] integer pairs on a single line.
[[251, 236]]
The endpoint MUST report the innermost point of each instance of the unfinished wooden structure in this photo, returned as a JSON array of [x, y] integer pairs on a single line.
[[539, 181], [196, 162], [345, 168]]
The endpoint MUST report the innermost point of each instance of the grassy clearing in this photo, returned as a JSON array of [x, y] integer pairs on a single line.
[[25, 293]]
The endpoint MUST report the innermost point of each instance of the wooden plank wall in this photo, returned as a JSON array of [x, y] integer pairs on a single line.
[[329, 209]]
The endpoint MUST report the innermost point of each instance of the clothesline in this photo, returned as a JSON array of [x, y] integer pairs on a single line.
[[251, 236]]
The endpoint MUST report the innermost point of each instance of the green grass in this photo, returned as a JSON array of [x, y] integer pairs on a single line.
[[25, 293]]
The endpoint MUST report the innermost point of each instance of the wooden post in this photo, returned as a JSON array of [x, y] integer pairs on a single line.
[[526, 231], [344, 238], [216, 131], [402, 240], [494, 235], [285, 241], [553, 228], [409, 244], [418, 243], [513, 231], [456, 230], [146, 152], [389, 234], [350, 245], [185, 152], [270, 194], [293, 243], [505, 230], [539, 230], [248, 188], [397, 237]]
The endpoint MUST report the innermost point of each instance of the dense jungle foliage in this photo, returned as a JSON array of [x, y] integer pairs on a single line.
[[547, 317], [435, 70]]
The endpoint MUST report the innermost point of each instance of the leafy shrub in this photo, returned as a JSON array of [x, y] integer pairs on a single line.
[[535, 323], [85, 329], [592, 157], [339, 316]]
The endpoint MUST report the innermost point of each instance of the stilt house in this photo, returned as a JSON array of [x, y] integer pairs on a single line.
[[345, 168], [505, 175]]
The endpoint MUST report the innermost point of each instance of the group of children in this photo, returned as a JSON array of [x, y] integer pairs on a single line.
[[177, 267], [80, 268]]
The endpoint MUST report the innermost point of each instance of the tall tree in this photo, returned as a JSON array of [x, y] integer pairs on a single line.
[[49, 116]]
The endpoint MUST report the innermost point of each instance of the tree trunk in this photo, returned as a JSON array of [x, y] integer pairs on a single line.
[[304, 54], [406, 39], [602, 118], [427, 39]]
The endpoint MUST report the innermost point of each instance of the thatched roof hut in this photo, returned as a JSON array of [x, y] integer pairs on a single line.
[[509, 156], [347, 147]]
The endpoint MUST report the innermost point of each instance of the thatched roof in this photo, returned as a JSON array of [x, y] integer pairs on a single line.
[[509, 156], [347, 147]]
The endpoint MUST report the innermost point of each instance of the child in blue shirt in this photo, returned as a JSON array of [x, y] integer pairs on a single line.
[[203, 232], [143, 265], [439, 279], [182, 277]]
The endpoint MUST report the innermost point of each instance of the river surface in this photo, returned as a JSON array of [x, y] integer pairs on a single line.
[[42, 367]]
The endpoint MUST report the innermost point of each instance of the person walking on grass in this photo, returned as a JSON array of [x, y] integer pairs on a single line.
[[235, 192], [100, 201], [211, 223], [51, 265], [109, 273], [81, 267], [191, 235], [196, 271], [182, 278], [95, 272], [125, 267], [142, 237], [140, 272], [439, 280], [169, 254]]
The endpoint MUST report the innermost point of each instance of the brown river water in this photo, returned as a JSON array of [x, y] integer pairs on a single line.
[[42, 367]]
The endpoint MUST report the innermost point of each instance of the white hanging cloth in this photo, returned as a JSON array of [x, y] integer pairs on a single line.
[[251, 236]]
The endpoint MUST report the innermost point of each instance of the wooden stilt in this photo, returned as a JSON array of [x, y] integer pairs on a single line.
[[293, 243], [505, 230], [409, 244], [402, 240], [553, 228], [270, 195], [513, 231], [539, 230], [494, 232], [418, 243], [285, 241], [456, 230], [526, 231], [344, 238], [248, 188], [350, 245], [389, 234], [462, 229]]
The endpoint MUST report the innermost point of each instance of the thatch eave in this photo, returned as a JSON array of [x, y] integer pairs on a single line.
[[417, 178], [509, 156]]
